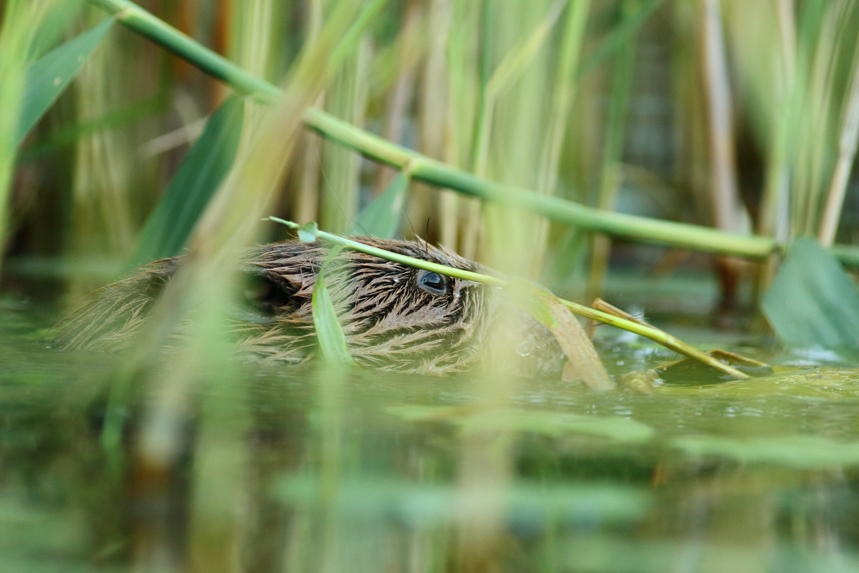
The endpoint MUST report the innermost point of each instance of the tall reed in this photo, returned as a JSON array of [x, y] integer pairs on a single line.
[[23, 36]]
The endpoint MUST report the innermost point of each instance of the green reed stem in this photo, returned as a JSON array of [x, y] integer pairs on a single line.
[[653, 334], [435, 172]]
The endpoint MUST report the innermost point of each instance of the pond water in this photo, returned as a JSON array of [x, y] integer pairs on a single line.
[[255, 469]]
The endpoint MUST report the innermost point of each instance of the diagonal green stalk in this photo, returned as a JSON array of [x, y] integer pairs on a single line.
[[646, 331], [435, 172], [442, 175]]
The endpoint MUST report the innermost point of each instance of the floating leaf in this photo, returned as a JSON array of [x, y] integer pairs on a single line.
[[802, 452], [812, 301], [583, 361], [194, 184], [544, 422], [48, 77], [381, 218], [426, 504], [821, 382], [332, 341]]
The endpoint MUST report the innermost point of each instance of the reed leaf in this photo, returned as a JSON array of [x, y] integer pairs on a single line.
[[381, 218], [516, 61], [563, 94], [610, 179], [847, 144], [619, 36], [18, 42], [201, 173], [436, 173], [49, 77]]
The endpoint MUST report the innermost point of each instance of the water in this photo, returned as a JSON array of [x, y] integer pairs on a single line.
[[300, 470]]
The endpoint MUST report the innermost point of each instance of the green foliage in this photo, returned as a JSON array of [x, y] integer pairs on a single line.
[[198, 178], [332, 342], [799, 451], [504, 102], [50, 76], [381, 218], [812, 301], [541, 422], [427, 505]]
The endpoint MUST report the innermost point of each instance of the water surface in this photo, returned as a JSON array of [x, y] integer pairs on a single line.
[[257, 469]]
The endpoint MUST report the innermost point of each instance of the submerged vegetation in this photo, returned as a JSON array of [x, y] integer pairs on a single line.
[[566, 142]]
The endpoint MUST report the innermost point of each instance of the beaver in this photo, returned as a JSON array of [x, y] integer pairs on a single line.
[[394, 317]]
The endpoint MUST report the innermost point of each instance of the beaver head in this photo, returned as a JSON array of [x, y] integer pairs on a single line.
[[394, 317]]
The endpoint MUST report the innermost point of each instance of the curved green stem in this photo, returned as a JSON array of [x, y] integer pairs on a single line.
[[437, 173]]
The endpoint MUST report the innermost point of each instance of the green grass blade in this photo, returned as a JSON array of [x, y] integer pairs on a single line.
[[48, 77], [381, 218], [332, 341], [434, 172], [619, 36], [199, 176], [520, 56], [812, 301]]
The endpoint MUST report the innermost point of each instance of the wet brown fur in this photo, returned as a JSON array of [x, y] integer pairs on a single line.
[[390, 321]]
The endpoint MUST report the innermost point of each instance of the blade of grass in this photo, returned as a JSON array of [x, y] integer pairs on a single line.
[[346, 98], [509, 70], [516, 61], [307, 199], [612, 152], [381, 218], [433, 104], [563, 94], [619, 37], [435, 172], [18, 38], [464, 82], [50, 76], [198, 178], [69, 135], [846, 155], [332, 341]]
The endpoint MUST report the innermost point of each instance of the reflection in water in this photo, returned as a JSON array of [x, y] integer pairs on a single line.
[[285, 470]]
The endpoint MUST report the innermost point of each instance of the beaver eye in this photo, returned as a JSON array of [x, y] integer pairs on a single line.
[[432, 282]]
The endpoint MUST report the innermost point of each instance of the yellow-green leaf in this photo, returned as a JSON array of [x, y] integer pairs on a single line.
[[583, 363]]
